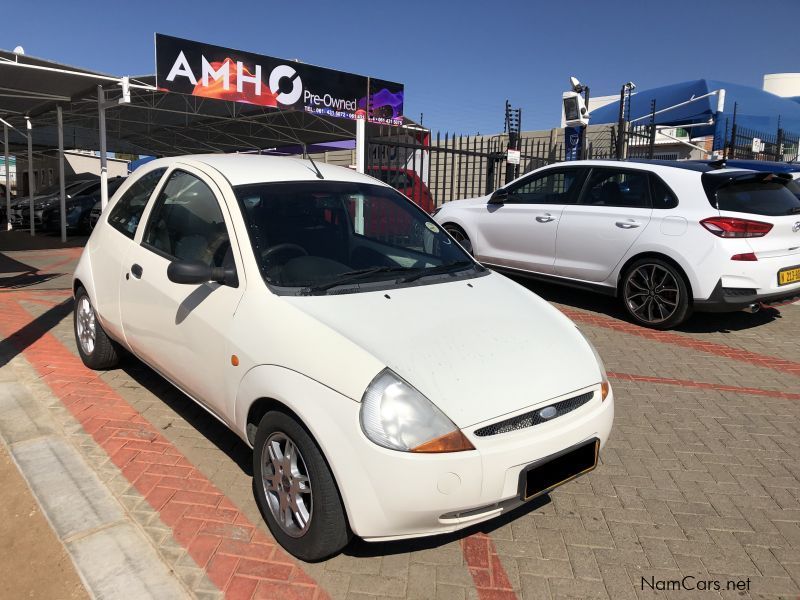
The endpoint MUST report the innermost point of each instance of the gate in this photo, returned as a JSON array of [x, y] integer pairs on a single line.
[[434, 169]]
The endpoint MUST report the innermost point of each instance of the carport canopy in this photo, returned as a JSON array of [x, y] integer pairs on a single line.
[[46, 105]]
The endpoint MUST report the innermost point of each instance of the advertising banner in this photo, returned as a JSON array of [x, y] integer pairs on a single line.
[[198, 69]]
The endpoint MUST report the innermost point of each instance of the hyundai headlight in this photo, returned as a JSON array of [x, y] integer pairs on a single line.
[[397, 416]]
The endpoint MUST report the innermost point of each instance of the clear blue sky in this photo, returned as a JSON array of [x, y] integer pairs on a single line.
[[459, 60]]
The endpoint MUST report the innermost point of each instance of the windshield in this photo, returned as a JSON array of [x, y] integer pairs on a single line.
[[316, 236]]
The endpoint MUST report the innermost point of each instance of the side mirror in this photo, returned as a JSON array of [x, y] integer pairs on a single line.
[[193, 272], [499, 196]]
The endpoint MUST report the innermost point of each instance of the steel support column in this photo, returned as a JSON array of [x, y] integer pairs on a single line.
[[8, 177], [101, 113], [62, 192], [31, 181]]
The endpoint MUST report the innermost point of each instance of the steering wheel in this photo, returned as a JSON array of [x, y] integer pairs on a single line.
[[285, 247]]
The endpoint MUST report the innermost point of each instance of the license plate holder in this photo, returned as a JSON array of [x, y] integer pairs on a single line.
[[557, 469], [789, 275]]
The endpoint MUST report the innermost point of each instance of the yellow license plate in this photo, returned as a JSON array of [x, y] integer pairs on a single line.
[[787, 276]]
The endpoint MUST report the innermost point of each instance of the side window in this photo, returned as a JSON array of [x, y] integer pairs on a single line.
[[127, 212], [187, 223], [663, 197], [615, 187], [556, 186]]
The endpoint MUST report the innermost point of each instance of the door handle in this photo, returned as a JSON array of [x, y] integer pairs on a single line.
[[136, 271], [546, 218], [629, 224]]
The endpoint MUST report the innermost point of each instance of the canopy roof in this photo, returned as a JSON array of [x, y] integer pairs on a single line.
[[755, 109], [154, 122]]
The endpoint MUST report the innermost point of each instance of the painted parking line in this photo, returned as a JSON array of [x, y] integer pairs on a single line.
[[720, 387], [238, 558], [490, 578], [676, 339]]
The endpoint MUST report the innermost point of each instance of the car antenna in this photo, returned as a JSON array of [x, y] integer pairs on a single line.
[[311, 160]]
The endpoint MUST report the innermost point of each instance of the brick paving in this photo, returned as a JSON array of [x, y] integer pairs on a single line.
[[700, 479]]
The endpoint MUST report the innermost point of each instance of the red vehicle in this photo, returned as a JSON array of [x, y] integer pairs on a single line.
[[405, 181]]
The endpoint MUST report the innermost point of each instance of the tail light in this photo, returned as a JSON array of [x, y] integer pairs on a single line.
[[747, 256], [731, 227]]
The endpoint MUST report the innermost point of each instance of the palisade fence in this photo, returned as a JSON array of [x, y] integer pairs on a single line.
[[434, 168], [451, 167], [750, 144]]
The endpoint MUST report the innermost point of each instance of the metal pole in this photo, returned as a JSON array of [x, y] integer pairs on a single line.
[[30, 168], [621, 124], [361, 143], [585, 137], [101, 112], [8, 178], [62, 191]]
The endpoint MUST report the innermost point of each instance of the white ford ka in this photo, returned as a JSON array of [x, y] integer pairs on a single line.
[[389, 385]]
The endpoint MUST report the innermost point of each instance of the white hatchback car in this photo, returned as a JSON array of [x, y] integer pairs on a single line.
[[665, 237], [390, 385]]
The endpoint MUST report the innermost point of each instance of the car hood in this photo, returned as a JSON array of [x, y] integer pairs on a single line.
[[478, 348]]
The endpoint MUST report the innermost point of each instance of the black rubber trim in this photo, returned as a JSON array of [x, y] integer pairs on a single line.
[[733, 299]]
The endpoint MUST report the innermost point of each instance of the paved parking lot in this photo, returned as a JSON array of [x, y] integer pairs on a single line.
[[699, 483]]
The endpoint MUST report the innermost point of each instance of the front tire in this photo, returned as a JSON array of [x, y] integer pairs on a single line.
[[96, 349], [655, 294], [459, 235], [295, 490]]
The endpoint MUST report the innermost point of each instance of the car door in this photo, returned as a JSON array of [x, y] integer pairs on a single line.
[[613, 210], [179, 329], [521, 232], [112, 243]]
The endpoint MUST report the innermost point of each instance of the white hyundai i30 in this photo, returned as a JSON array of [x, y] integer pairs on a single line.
[[390, 386], [665, 237]]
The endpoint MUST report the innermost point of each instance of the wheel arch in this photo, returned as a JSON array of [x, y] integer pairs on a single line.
[[653, 254]]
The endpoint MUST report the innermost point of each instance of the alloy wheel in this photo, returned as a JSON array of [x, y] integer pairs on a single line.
[[456, 233], [86, 325], [652, 293], [287, 485]]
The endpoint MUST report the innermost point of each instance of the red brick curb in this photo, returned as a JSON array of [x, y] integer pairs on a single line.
[[676, 339], [237, 557]]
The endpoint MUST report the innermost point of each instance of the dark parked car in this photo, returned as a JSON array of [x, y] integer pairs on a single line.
[[78, 209]]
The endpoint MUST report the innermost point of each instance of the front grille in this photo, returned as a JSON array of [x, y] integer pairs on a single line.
[[532, 418]]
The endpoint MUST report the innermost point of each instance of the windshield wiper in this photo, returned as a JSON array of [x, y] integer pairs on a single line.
[[349, 276], [445, 268]]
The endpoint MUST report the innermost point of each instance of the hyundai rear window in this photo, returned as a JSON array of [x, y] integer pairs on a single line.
[[758, 195]]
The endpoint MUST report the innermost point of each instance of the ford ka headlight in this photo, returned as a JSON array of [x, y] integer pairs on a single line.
[[397, 416], [605, 387]]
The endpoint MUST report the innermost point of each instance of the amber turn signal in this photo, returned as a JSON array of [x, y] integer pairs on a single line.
[[605, 388], [455, 441], [234, 360]]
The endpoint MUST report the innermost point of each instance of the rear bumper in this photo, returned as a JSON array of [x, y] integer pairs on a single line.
[[724, 299]]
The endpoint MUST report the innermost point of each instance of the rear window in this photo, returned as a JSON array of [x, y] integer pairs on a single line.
[[757, 196]]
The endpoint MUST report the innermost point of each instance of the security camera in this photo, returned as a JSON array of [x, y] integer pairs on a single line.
[[576, 85], [575, 112], [630, 85]]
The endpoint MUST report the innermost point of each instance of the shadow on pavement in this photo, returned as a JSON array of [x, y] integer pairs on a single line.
[[21, 339], [208, 426], [361, 549], [21, 239], [699, 322]]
